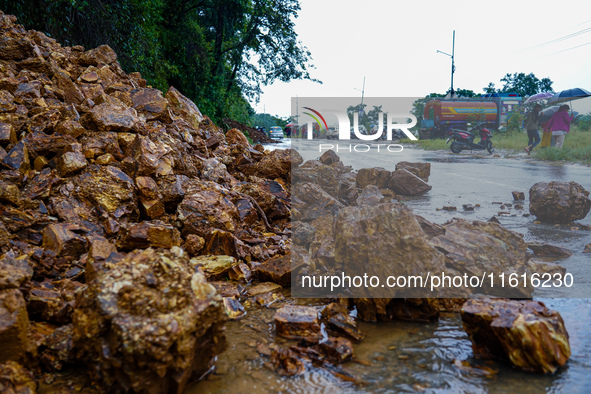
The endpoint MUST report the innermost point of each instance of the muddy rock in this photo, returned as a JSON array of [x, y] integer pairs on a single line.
[[235, 136], [329, 157], [383, 240], [383, 309], [422, 170], [63, 239], [559, 202], [149, 324], [210, 209], [103, 54], [215, 267], [526, 333], [276, 164], [478, 248], [340, 323], [277, 269], [298, 322], [313, 202], [14, 328], [58, 348], [370, 195], [317, 173], [149, 102], [14, 271], [15, 379], [406, 183], [518, 196], [545, 250], [373, 176], [303, 233], [184, 108], [148, 234]]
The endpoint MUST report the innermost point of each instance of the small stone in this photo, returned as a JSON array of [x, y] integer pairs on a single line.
[[298, 322]]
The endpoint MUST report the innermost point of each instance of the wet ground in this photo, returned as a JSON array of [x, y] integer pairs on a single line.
[[435, 357]]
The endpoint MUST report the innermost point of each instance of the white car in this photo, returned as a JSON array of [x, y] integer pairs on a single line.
[[276, 132], [332, 133]]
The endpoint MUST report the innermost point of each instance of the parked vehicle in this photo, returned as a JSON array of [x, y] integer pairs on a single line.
[[443, 114], [276, 132], [464, 140], [332, 133]]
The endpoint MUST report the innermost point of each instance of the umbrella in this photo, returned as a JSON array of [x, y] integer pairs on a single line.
[[538, 97], [547, 113], [569, 95]]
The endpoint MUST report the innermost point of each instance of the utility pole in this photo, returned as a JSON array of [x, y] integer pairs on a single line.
[[362, 95], [453, 67]]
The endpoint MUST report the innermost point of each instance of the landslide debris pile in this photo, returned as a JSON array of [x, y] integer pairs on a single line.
[[108, 188]]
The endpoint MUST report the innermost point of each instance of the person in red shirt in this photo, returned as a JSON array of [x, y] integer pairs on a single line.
[[559, 124]]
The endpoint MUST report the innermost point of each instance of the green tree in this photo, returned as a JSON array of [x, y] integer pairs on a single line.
[[521, 83]]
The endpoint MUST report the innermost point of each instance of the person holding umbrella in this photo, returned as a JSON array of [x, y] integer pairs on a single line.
[[531, 125], [559, 124]]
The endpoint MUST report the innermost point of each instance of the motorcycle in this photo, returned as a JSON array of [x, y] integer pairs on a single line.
[[464, 140]]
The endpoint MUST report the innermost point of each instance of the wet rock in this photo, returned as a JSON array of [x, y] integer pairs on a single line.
[[15, 379], [149, 102], [235, 136], [337, 350], [194, 244], [468, 207], [545, 250], [18, 158], [287, 362], [14, 271], [184, 108], [240, 272], [59, 349], [431, 229], [587, 248], [215, 267], [115, 117], [9, 193], [63, 240], [370, 195], [298, 322], [94, 57], [340, 323], [202, 211], [373, 176], [149, 324], [45, 303], [518, 196], [559, 202], [526, 333], [303, 233], [148, 234], [382, 309], [7, 134], [277, 164], [262, 288], [405, 183], [322, 175], [234, 308], [478, 248], [329, 157], [277, 269], [383, 240], [422, 170], [313, 202], [14, 328], [70, 163]]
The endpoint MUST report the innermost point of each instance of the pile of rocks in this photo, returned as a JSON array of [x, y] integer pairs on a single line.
[[108, 187]]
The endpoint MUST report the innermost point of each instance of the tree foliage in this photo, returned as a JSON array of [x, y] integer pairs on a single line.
[[217, 52], [524, 85]]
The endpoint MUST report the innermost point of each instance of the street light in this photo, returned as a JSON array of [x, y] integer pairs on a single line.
[[362, 94], [453, 67]]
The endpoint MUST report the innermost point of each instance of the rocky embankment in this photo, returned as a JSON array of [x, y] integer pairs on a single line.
[[109, 189]]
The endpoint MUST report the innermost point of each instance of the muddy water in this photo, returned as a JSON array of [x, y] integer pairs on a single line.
[[435, 357]]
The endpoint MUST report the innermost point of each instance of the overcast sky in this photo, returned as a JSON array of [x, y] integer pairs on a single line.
[[393, 44]]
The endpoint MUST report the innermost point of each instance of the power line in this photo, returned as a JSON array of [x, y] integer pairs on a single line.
[[558, 39]]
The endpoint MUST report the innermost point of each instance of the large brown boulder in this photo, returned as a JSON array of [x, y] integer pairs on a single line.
[[559, 202], [526, 333], [406, 183], [422, 170], [14, 328], [483, 248], [149, 324], [383, 240]]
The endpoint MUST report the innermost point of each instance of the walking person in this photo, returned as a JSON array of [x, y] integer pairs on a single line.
[[559, 124], [531, 125]]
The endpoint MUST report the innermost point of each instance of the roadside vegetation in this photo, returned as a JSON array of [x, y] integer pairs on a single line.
[[576, 148]]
